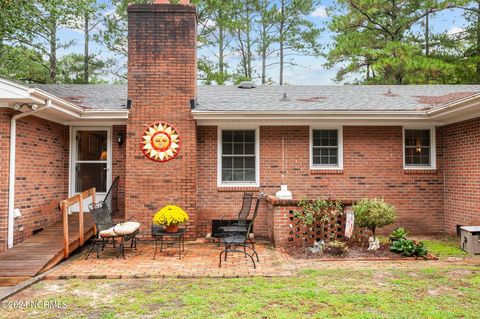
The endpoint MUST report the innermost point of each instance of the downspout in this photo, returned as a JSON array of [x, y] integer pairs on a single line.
[[11, 173]]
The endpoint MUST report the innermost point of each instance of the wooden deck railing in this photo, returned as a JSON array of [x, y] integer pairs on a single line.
[[65, 205]]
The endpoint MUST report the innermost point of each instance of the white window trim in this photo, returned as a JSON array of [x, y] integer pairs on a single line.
[[340, 147], [220, 183], [433, 148], [73, 156]]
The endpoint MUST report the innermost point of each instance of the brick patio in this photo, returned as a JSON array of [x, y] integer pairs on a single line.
[[201, 260]]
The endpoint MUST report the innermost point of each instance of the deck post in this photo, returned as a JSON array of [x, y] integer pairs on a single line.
[[80, 218], [94, 201], [65, 230]]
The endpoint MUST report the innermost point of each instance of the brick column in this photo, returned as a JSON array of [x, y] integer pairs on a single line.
[[161, 83]]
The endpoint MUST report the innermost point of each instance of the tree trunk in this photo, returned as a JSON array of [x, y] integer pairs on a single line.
[[220, 55], [264, 66], [427, 35], [478, 40], [53, 52], [86, 56], [281, 31]]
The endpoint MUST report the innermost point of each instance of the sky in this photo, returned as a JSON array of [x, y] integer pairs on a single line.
[[310, 70]]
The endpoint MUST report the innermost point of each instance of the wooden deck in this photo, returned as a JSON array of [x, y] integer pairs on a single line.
[[41, 251]]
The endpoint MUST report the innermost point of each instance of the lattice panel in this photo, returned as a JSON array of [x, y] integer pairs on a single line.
[[306, 235]]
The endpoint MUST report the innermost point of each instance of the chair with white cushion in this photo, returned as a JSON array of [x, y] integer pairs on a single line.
[[107, 231]]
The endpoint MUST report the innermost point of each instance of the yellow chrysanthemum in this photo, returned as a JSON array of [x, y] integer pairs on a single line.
[[170, 215]]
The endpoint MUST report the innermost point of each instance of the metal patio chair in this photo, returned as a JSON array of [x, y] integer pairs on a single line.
[[241, 222], [107, 234], [234, 241]]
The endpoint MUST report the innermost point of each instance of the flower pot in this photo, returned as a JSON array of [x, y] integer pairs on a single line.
[[172, 228]]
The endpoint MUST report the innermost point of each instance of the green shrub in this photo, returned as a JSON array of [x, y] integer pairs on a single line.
[[319, 210], [373, 214], [398, 233]]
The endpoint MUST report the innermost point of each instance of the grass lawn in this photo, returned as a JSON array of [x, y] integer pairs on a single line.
[[417, 289]]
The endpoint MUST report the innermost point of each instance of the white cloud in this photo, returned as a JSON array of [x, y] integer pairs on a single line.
[[320, 12], [454, 30]]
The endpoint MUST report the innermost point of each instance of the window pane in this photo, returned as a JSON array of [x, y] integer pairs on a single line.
[[238, 136], [325, 151], [250, 175], [91, 145], [250, 136], [250, 162], [238, 175], [227, 148], [227, 175], [238, 163], [91, 175], [250, 148], [238, 148], [227, 162], [227, 136]]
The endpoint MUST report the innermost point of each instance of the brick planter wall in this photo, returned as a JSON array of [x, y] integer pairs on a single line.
[[161, 82], [285, 229]]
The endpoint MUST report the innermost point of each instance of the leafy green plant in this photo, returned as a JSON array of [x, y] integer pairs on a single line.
[[319, 210], [373, 214], [409, 248], [398, 233]]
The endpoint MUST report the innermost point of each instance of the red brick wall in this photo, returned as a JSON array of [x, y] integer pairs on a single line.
[[118, 164], [161, 82], [462, 174], [373, 167], [41, 174]]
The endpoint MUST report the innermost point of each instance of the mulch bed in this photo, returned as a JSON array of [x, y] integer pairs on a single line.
[[355, 251]]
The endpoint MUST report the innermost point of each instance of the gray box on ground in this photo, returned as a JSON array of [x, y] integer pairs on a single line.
[[470, 239]]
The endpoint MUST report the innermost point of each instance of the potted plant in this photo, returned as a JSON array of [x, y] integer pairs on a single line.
[[336, 247], [169, 216], [373, 214]]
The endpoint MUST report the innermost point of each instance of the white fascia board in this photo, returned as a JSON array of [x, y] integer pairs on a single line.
[[105, 114]]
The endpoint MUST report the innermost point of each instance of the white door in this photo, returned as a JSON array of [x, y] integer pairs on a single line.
[[91, 164]]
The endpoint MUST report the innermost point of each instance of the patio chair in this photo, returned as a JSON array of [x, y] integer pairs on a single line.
[[107, 230], [242, 240], [241, 220]]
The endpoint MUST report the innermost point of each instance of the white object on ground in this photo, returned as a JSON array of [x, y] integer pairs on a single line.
[[373, 243], [317, 247]]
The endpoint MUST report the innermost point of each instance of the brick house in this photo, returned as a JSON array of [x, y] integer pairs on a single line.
[[418, 147]]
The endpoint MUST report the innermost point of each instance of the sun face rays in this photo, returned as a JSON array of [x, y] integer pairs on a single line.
[[160, 142]]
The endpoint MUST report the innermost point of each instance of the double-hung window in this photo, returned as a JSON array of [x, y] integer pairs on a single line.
[[419, 148], [326, 148], [238, 157]]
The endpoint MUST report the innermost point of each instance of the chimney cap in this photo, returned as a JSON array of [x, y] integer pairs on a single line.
[[187, 2], [246, 85]]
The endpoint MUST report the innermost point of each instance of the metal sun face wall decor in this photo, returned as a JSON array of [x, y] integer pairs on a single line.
[[160, 142]]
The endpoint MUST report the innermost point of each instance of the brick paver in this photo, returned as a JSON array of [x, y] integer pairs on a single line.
[[201, 260]]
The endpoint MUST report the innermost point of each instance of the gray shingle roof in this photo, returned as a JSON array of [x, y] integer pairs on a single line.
[[89, 96], [328, 98], [270, 98]]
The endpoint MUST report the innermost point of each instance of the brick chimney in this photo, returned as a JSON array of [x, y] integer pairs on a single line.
[[161, 83]]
